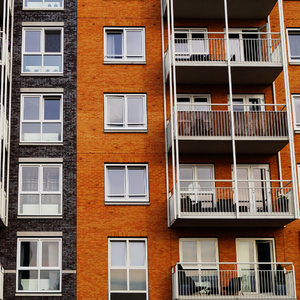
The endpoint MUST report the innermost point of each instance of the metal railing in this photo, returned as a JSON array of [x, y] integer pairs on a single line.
[[246, 47], [233, 280], [1, 281], [212, 120]]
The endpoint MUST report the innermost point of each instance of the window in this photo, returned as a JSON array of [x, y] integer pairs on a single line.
[[39, 265], [126, 183], [40, 189], [125, 112], [294, 45], [248, 102], [193, 102], [296, 111], [43, 4], [42, 50], [41, 118], [128, 270], [124, 45]]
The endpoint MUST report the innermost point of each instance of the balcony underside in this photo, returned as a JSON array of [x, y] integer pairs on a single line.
[[261, 145], [214, 9], [218, 74]]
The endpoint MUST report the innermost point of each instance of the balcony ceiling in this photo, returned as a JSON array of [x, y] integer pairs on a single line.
[[214, 9]]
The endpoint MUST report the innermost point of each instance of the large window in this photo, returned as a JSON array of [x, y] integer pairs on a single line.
[[125, 112], [294, 45], [42, 50], [296, 110], [39, 265], [126, 183], [40, 189], [128, 270], [248, 102], [43, 4], [41, 118], [124, 44], [188, 102]]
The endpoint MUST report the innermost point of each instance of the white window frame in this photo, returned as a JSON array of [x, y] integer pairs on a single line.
[[246, 103], [126, 200], [192, 104], [41, 121], [125, 111], [125, 59], [40, 192], [42, 53], [288, 32], [39, 266], [127, 267], [44, 7], [295, 97]]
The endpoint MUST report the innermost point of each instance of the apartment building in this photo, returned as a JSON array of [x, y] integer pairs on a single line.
[[38, 243]]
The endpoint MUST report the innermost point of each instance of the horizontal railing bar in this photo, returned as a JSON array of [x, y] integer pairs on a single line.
[[235, 263], [231, 32], [230, 180]]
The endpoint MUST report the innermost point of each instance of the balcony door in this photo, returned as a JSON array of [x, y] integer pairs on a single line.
[[248, 102]]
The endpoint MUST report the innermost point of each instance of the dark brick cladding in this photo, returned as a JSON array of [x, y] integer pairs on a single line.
[[67, 151]]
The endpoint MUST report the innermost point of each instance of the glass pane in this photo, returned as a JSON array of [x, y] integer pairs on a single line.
[[50, 179], [118, 253], [137, 253], [200, 101], [181, 43], [33, 41], [28, 254], [51, 204], [52, 41], [32, 63], [28, 280], [128, 296], [52, 109], [137, 181], [52, 63], [189, 251], [118, 280], [204, 173], [185, 173], [50, 254], [294, 40], [29, 204], [115, 111], [246, 254], [116, 181], [51, 132], [50, 281], [30, 179], [297, 111], [114, 45], [31, 132], [198, 43], [208, 251], [235, 47], [135, 111], [33, 3], [137, 280], [53, 3], [238, 107], [254, 104], [181, 107], [31, 108], [134, 43]]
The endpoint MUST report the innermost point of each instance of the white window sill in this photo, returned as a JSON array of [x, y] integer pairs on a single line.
[[43, 8], [37, 295], [126, 130], [126, 203], [297, 130], [40, 144], [294, 62], [42, 74], [124, 62], [39, 217]]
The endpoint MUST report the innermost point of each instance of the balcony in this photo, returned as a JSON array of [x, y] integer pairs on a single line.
[[255, 58], [3, 208], [233, 281], [260, 129], [213, 203]]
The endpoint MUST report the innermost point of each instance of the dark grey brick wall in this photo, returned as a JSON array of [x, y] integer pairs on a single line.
[[67, 151]]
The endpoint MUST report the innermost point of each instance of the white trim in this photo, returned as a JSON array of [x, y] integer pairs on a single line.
[[69, 271], [246, 100], [292, 61], [51, 24], [40, 233], [44, 7], [40, 9], [41, 90], [37, 295], [40, 159], [296, 127], [192, 102]]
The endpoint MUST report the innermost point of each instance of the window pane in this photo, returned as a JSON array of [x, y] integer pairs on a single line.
[[204, 173], [135, 111], [31, 108], [137, 280], [116, 181], [208, 251], [53, 3], [33, 41], [137, 253], [50, 281], [115, 111], [118, 280], [135, 43], [128, 296], [51, 109], [297, 111], [28, 254], [181, 107], [202, 101], [51, 204], [118, 253], [32, 63], [51, 132], [185, 173], [238, 107], [29, 204], [30, 179], [33, 3], [52, 63], [189, 251], [137, 181], [50, 254], [50, 179], [52, 41], [28, 280], [114, 45], [31, 132], [294, 40]]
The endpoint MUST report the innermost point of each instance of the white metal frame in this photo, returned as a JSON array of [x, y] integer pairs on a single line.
[[295, 98], [39, 266], [44, 5], [192, 102], [42, 53], [128, 267], [246, 103], [41, 120], [125, 199], [288, 32], [40, 191], [124, 58]]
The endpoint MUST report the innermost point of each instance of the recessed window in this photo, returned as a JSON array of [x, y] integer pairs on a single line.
[[39, 265], [128, 269], [124, 45], [248, 102], [296, 110], [40, 189], [43, 4], [125, 112], [126, 184], [42, 50], [41, 118], [188, 102], [294, 45]]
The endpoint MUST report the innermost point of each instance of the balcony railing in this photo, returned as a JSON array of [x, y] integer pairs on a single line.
[[3, 205], [247, 280], [1, 282]]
